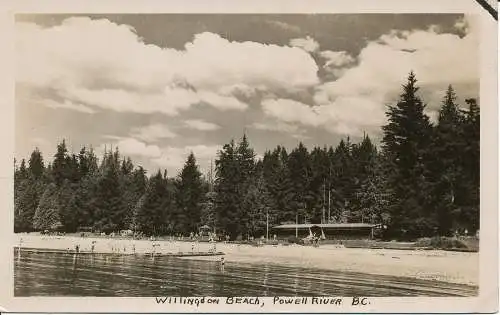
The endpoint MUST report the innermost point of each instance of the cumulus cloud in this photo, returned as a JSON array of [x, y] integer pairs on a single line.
[[309, 44], [200, 124], [169, 101], [275, 126], [356, 101], [78, 61], [292, 130], [336, 58], [173, 158], [66, 104], [284, 26], [133, 147], [153, 133], [291, 111], [170, 157]]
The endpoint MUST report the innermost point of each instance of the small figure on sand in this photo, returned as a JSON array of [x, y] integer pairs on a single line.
[[77, 248], [222, 262], [92, 247]]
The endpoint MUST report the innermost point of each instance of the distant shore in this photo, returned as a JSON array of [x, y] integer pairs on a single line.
[[453, 267]]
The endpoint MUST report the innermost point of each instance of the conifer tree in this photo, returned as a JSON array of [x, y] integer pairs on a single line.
[[190, 195], [468, 197], [274, 178], [109, 213], [208, 215], [22, 173], [69, 206], [342, 188], [133, 186], [257, 206], [245, 156], [299, 168], [150, 212], [364, 159], [318, 184], [25, 203], [227, 188], [444, 166], [47, 213], [60, 164], [407, 136], [36, 167]]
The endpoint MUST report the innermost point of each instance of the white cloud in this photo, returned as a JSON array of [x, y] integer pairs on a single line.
[[169, 102], [68, 105], [336, 58], [309, 44], [280, 126], [153, 133], [275, 126], [78, 60], [55, 104], [132, 147], [285, 26], [170, 157], [173, 158], [291, 111], [202, 125], [356, 102], [222, 102]]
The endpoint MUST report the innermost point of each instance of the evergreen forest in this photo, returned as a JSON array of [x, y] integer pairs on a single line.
[[421, 180]]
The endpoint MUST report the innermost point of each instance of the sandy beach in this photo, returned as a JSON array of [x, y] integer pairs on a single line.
[[454, 267]]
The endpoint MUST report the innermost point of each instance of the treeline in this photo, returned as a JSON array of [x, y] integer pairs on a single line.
[[422, 181]]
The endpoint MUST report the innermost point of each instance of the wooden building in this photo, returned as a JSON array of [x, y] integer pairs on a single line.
[[330, 231]]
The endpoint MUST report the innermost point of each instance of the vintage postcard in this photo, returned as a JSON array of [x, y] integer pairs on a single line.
[[245, 157]]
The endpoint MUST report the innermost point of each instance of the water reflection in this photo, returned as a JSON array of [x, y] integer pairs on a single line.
[[62, 274]]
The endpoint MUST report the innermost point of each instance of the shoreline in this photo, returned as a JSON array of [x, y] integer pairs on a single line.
[[438, 265]]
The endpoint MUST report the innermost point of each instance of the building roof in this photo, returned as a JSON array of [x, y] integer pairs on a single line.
[[326, 225]]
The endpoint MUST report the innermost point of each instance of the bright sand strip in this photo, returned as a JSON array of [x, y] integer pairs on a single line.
[[455, 267]]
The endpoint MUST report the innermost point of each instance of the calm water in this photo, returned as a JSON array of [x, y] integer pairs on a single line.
[[59, 274]]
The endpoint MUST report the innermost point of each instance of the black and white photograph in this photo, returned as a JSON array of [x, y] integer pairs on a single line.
[[294, 157]]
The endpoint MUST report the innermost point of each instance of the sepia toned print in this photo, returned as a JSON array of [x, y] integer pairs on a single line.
[[248, 161], [220, 160]]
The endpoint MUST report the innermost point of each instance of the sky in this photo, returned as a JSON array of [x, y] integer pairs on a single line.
[[159, 86]]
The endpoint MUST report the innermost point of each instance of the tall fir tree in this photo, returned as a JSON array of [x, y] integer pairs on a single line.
[[468, 197], [190, 194], [364, 159], [36, 166], [227, 188], [134, 186], [60, 164], [109, 213], [444, 164], [407, 136], [47, 215], [150, 212], [245, 157], [257, 206], [299, 169]]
